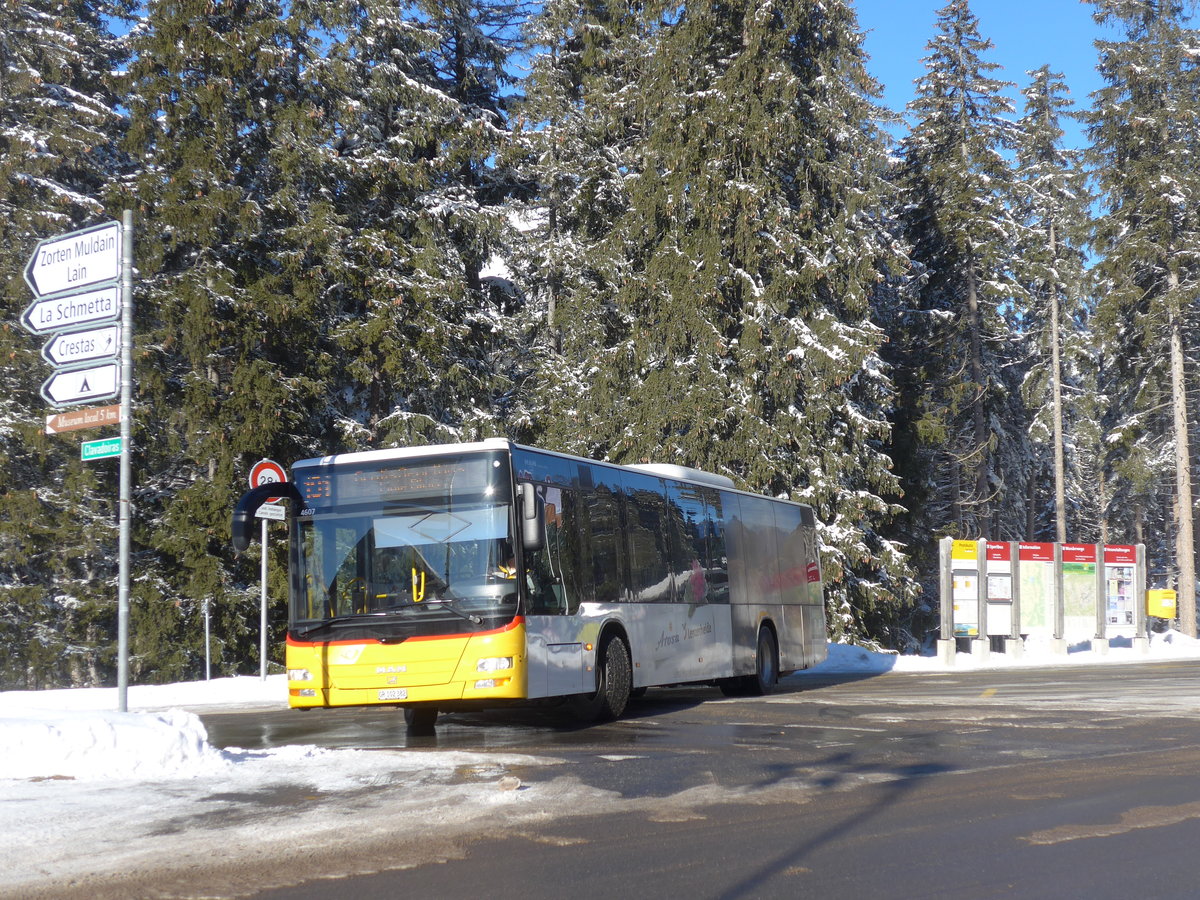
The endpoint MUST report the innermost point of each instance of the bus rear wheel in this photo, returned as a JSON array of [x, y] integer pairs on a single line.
[[766, 665], [614, 674]]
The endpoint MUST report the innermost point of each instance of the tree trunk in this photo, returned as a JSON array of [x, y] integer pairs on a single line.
[[979, 453], [1103, 486], [1060, 475], [1030, 501], [1185, 558]]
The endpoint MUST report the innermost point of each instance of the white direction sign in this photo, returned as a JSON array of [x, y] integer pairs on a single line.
[[83, 385], [72, 347], [60, 313], [71, 262]]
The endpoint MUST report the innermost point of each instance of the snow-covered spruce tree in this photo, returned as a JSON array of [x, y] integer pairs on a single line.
[[576, 144], [231, 363], [432, 349], [1052, 210], [1145, 131], [736, 284], [956, 190], [60, 123], [471, 216]]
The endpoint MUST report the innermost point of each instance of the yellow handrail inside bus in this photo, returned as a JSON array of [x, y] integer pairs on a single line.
[[418, 590]]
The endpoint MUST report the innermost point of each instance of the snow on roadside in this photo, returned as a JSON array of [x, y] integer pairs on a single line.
[[849, 659], [89, 795]]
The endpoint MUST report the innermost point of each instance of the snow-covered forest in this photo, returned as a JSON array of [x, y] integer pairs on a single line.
[[635, 231]]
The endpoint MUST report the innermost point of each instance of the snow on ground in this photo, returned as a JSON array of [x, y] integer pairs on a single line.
[[86, 791], [845, 659]]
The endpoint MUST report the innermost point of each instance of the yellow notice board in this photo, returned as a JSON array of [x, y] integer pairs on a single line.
[[1160, 604], [965, 550]]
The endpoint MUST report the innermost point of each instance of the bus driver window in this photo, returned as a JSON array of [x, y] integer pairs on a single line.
[[552, 570]]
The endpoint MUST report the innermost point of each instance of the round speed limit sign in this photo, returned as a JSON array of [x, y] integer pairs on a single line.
[[267, 471]]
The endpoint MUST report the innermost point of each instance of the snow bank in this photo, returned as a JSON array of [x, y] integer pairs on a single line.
[[77, 734], [55, 743]]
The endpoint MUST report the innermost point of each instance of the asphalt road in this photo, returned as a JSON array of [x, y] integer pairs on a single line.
[[1063, 782]]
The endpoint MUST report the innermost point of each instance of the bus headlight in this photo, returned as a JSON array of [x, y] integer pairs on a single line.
[[494, 664], [299, 675]]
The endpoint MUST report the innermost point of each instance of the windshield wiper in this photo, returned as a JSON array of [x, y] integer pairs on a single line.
[[445, 603], [351, 619]]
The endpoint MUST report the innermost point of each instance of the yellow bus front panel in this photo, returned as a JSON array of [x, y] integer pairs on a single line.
[[487, 666]]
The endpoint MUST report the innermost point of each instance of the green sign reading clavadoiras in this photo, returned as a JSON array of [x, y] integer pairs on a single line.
[[101, 449]]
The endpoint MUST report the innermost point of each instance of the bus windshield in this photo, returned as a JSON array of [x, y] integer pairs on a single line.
[[406, 543]]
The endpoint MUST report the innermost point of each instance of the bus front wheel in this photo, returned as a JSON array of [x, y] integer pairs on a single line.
[[614, 682], [420, 719]]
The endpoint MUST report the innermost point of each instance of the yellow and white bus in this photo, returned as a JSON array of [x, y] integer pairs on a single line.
[[472, 575]]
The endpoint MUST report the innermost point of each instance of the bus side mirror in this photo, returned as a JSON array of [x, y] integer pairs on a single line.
[[243, 513], [533, 518]]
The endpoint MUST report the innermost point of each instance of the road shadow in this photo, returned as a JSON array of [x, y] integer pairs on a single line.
[[897, 782]]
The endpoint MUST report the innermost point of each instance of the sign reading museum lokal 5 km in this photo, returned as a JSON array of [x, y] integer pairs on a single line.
[[82, 284]]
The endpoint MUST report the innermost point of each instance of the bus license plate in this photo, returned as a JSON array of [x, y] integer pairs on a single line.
[[394, 694]]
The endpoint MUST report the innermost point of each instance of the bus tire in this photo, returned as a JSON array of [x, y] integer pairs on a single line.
[[420, 719], [614, 682], [766, 665]]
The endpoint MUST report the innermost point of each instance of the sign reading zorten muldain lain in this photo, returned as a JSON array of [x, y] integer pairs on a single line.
[[81, 259]]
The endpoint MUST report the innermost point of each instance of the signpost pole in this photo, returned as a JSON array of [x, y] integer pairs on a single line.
[[1101, 643], [1014, 646], [265, 471], [126, 452], [1141, 633], [262, 623], [946, 642], [207, 644]]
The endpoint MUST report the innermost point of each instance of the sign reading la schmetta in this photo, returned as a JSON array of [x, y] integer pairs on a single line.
[[73, 310], [74, 261]]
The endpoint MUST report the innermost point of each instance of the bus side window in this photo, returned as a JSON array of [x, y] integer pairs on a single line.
[[793, 554], [689, 551], [716, 565], [604, 518], [646, 539]]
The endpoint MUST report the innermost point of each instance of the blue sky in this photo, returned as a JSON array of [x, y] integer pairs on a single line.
[[1026, 35]]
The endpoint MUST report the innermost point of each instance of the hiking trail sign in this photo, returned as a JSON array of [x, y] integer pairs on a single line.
[[77, 260]]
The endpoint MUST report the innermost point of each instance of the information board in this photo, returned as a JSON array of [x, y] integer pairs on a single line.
[[999, 589], [1079, 591], [1037, 589], [1120, 614], [964, 568]]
